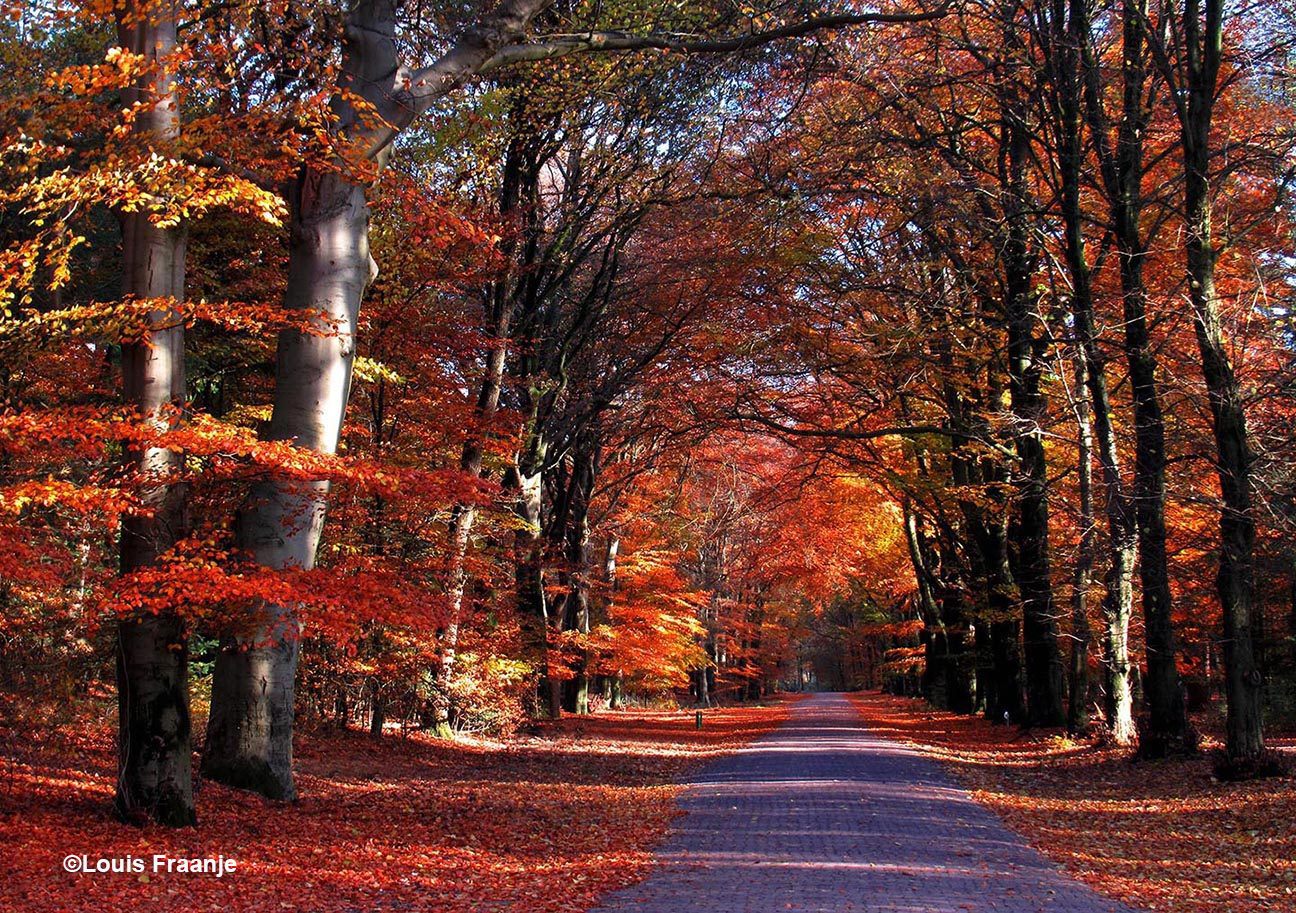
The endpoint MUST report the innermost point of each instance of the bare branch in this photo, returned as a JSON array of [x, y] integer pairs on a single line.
[[544, 47]]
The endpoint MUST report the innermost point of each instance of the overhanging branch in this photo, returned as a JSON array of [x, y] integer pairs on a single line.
[[544, 47], [870, 434]]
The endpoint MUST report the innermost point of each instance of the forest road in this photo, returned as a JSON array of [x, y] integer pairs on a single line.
[[822, 815]]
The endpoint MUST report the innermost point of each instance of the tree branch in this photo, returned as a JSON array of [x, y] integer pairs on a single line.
[[544, 47]]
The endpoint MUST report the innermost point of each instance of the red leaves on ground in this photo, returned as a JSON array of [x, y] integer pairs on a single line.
[[545, 823], [1158, 835]]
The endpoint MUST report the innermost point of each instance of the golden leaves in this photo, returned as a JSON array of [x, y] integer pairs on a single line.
[[168, 190], [119, 69], [372, 371]]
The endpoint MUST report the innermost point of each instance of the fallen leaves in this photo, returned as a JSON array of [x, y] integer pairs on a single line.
[[543, 824], [1157, 835]]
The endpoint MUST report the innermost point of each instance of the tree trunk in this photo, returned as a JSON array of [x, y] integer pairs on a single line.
[[959, 688], [249, 736], [341, 711], [1081, 636], [578, 609], [701, 691], [462, 520], [523, 479], [499, 318], [1003, 695], [378, 710], [1068, 47], [154, 774], [998, 632], [1235, 581], [1122, 171], [1026, 351], [605, 610], [249, 733], [998, 643], [935, 646], [1202, 35]]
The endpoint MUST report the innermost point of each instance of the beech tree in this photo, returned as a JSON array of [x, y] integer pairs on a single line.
[[249, 739], [732, 350], [1191, 57], [1066, 44], [153, 659]]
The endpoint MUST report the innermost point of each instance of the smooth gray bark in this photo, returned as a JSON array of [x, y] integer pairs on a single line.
[[154, 777]]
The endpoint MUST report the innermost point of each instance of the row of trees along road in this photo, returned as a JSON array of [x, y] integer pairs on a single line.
[[626, 348]]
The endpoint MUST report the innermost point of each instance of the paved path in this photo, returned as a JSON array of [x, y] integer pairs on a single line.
[[822, 816]]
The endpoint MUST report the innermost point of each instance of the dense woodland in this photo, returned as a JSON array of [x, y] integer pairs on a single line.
[[449, 367]]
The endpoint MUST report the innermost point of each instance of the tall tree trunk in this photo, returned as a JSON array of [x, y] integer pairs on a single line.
[[378, 708], [1081, 635], [615, 695], [1069, 39], [1122, 171], [758, 622], [154, 772], [701, 691], [465, 515], [1236, 578], [516, 179], [998, 636], [249, 735], [1202, 34], [959, 687], [1026, 351], [998, 630], [936, 574], [933, 634], [524, 480], [578, 607]]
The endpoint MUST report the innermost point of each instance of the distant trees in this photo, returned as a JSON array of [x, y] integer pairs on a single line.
[[995, 197]]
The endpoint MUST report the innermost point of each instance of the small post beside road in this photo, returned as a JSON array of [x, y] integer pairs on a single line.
[[697, 718]]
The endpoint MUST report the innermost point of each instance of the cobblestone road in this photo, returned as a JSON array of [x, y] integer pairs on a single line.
[[823, 816]]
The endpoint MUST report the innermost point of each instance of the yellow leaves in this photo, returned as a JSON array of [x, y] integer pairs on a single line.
[[18, 267], [134, 320], [119, 69], [371, 371], [60, 261], [248, 416], [168, 190], [84, 499]]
